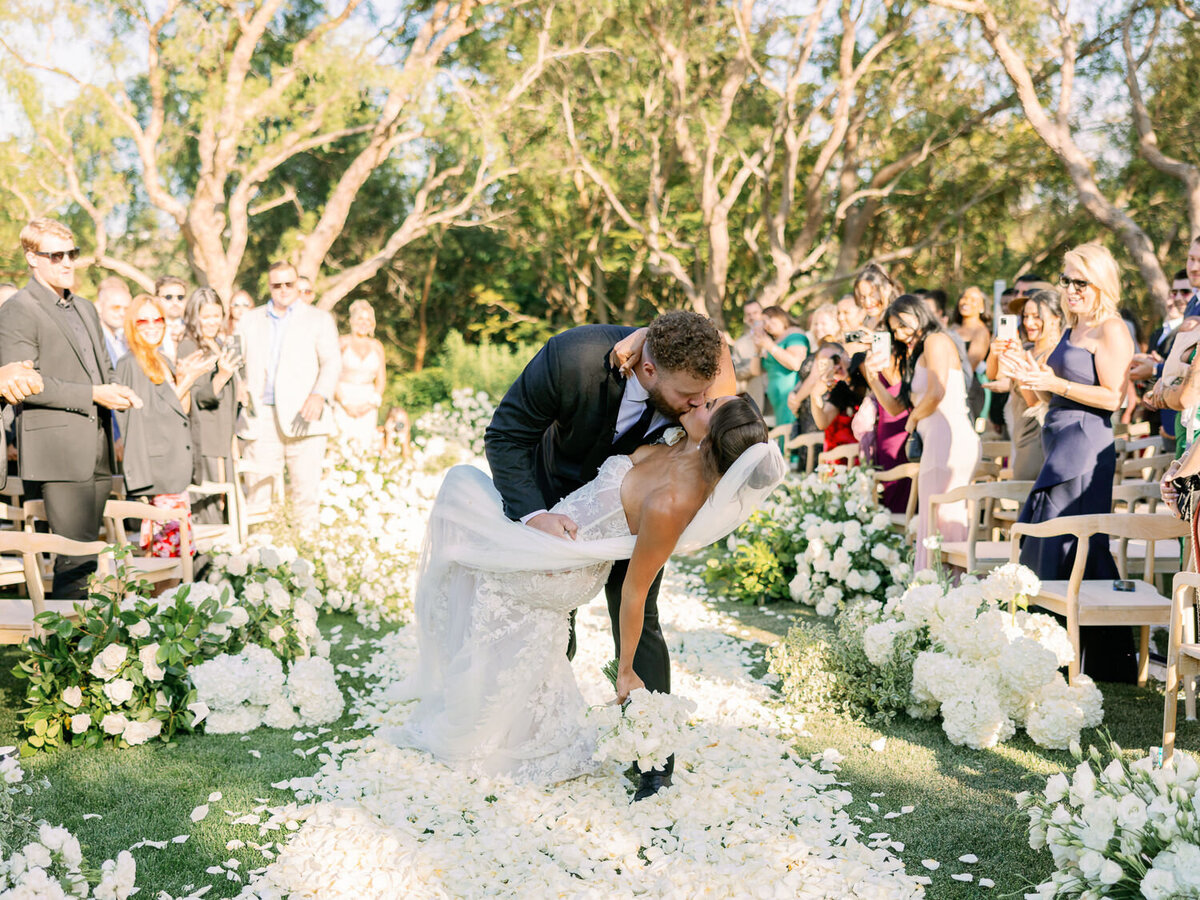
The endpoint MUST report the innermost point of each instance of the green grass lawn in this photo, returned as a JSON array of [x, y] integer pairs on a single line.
[[149, 792], [963, 798]]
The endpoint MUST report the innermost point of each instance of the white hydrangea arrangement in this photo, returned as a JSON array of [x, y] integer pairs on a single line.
[[1119, 829], [450, 434], [851, 561], [822, 540], [245, 690], [39, 861], [985, 671], [645, 728]]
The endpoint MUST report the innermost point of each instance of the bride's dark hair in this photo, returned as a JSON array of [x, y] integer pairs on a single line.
[[734, 428]]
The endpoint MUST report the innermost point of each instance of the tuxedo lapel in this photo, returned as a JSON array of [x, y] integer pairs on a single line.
[[611, 392]]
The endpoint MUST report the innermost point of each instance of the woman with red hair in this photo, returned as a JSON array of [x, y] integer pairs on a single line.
[[157, 435]]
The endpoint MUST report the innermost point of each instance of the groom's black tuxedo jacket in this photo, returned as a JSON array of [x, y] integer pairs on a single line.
[[556, 424]]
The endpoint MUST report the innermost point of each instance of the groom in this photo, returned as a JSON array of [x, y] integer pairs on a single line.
[[570, 410]]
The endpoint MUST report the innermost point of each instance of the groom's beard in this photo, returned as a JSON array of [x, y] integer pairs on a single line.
[[659, 402]]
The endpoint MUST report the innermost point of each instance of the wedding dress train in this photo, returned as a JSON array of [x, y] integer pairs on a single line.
[[495, 692]]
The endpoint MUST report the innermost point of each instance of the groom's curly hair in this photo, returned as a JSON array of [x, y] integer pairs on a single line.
[[684, 341]]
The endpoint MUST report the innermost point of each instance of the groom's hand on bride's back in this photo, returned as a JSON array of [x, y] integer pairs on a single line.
[[555, 524]]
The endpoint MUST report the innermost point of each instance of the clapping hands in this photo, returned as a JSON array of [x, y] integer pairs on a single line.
[[1021, 367]]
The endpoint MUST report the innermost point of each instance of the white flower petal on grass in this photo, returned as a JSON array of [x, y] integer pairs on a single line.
[[879, 744], [986, 883], [214, 796], [963, 876], [968, 858], [200, 812], [931, 864]]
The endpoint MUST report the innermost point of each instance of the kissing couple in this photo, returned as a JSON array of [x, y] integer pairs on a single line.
[[583, 494]]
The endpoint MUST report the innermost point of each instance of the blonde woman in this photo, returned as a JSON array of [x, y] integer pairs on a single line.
[[364, 374], [1083, 380]]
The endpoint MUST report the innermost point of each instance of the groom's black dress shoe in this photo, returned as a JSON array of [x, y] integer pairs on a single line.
[[652, 783]]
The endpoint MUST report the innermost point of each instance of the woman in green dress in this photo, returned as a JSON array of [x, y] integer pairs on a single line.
[[782, 347]]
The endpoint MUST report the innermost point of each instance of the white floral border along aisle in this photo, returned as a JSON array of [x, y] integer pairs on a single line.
[[746, 817]]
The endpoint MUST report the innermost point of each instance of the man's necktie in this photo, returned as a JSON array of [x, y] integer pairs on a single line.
[[635, 436]]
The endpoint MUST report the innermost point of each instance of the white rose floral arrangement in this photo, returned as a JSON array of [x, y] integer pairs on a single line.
[[39, 861], [120, 672], [1119, 829], [822, 540]]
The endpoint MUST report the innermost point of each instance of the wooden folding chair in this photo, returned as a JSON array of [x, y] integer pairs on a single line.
[[1131, 431], [981, 551], [813, 441], [849, 453], [246, 479], [897, 473], [1144, 468], [155, 569], [17, 613], [1096, 602], [1183, 657], [208, 535]]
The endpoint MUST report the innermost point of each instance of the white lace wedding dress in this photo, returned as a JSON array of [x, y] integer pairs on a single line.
[[498, 696]]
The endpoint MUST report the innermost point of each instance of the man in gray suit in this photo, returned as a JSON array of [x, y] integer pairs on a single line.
[[292, 367], [18, 380], [64, 433]]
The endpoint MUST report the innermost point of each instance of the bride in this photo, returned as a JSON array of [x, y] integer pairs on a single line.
[[496, 694]]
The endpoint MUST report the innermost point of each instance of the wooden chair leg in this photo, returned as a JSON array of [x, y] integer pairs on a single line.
[[1189, 681], [1073, 634], [1144, 656]]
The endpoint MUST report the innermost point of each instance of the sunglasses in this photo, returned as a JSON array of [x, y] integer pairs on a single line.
[[142, 323], [1078, 284], [57, 256], [280, 285], [1180, 292], [174, 296]]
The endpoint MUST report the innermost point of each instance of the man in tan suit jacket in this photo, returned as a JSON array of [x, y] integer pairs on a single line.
[[292, 367]]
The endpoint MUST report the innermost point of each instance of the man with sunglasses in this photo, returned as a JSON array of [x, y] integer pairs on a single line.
[[292, 363], [64, 433], [172, 292]]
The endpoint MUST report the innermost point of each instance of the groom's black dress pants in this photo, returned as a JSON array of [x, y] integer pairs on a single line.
[[651, 662]]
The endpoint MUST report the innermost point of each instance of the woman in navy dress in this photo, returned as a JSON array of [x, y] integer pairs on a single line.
[[1084, 382]]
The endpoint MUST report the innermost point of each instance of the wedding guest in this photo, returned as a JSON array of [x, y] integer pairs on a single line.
[[973, 324], [292, 366], [1041, 326], [172, 294], [849, 314], [364, 376], [1083, 381], [213, 405], [747, 363], [157, 435], [935, 299], [874, 291], [238, 305], [782, 347], [305, 291], [64, 433], [397, 431], [836, 399], [823, 327], [886, 418], [933, 388], [18, 380], [112, 299]]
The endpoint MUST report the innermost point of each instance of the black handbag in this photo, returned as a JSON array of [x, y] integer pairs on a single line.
[[1189, 494], [914, 447]]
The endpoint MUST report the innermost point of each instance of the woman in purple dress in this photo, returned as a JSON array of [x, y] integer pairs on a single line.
[[1084, 382], [883, 377]]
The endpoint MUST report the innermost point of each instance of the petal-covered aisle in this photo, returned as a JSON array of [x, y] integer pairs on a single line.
[[746, 816]]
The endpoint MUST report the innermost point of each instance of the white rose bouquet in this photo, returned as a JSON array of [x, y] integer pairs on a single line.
[[645, 728], [1119, 828]]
